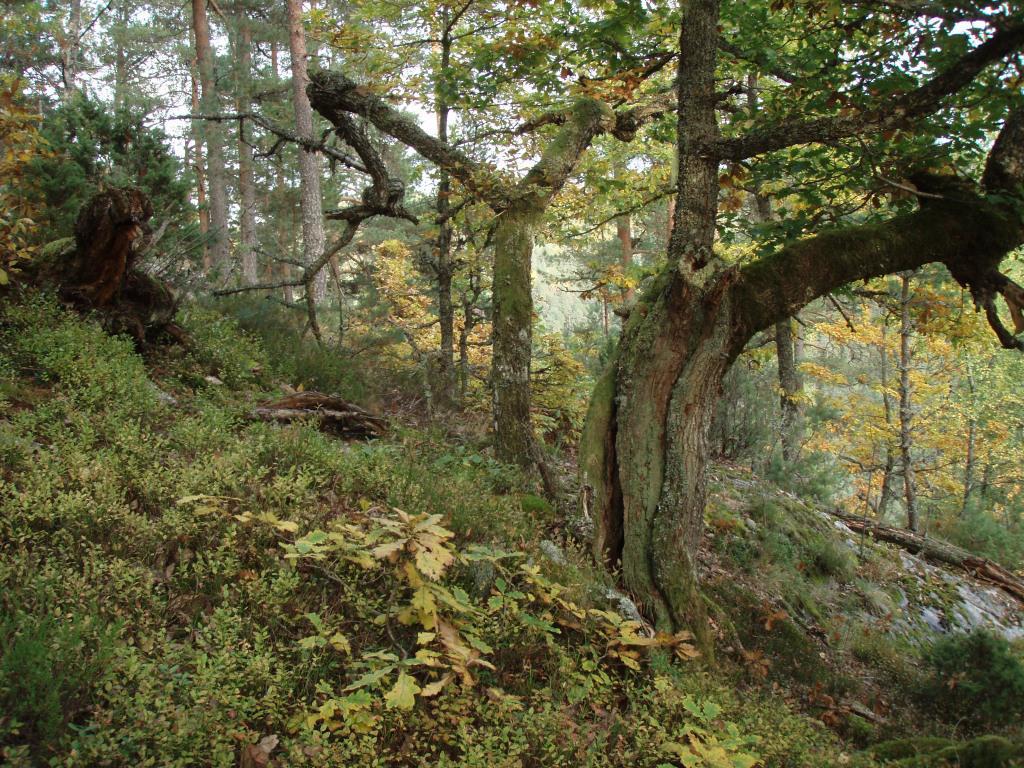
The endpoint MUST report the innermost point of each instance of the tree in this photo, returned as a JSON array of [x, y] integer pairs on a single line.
[[246, 182], [220, 247], [518, 205], [311, 200], [644, 450]]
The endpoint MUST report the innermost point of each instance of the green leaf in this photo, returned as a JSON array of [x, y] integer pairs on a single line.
[[403, 694]]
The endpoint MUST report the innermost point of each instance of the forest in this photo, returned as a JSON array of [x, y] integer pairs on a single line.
[[512, 383]]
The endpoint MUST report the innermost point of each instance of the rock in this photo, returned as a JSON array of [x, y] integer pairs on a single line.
[[625, 606], [552, 552]]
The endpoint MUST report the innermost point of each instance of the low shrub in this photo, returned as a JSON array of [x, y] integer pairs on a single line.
[[977, 679]]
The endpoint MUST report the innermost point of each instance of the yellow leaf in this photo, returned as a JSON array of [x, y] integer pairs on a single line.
[[403, 694], [436, 687]]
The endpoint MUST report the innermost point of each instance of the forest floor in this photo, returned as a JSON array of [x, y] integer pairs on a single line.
[[182, 584]]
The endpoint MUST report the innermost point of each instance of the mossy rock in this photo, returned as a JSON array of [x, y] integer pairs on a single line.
[[933, 752], [790, 652]]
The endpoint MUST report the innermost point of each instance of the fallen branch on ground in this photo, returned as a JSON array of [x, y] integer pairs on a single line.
[[980, 568]]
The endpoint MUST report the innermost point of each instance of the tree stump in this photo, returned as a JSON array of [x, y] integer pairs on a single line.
[[96, 271]]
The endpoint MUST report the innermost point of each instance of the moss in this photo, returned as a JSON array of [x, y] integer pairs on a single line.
[[987, 751]]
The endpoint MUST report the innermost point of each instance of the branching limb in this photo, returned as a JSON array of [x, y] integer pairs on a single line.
[[895, 111]]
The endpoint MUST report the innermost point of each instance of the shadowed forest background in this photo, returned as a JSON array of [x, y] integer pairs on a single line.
[[583, 383]]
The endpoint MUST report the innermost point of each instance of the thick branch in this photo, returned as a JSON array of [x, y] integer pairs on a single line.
[[333, 95], [893, 112], [970, 236]]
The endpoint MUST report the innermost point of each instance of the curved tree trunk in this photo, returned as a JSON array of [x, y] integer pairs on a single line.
[[644, 446]]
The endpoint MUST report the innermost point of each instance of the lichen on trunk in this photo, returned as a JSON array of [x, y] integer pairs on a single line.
[[513, 337]]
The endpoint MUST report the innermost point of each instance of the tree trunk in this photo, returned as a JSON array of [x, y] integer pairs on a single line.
[[72, 49], [210, 131], [789, 390], [443, 263], [513, 334], [120, 57], [623, 230], [906, 411], [311, 200], [204, 211], [885, 495], [283, 193], [644, 446], [246, 183], [972, 435]]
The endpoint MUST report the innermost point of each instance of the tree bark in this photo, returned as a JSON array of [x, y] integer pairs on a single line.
[[199, 167], [311, 199], [886, 494], [623, 230], [246, 182], [211, 133], [906, 406], [443, 263]]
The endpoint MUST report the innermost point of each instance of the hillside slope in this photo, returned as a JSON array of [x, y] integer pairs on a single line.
[[181, 585]]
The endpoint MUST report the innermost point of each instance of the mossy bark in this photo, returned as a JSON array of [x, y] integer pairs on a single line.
[[644, 447], [513, 333]]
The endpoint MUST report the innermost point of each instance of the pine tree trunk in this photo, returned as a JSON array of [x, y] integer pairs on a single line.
[[199, 167], [444, 266], [311, 200], [906, 410], [211, 133], [246, 182], [283, 194], [120, 57]]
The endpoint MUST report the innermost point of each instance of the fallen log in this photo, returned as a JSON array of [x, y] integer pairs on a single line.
[[334, 415], [938, 551]]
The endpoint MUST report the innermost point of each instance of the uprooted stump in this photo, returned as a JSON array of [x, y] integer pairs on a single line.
[[334, 415], [96, 270]]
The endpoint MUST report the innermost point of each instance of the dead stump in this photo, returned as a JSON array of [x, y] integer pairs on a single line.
[[96, 271]]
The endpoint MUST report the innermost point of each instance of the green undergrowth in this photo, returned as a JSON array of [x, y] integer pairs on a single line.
[[809, 607], [182, 586]]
